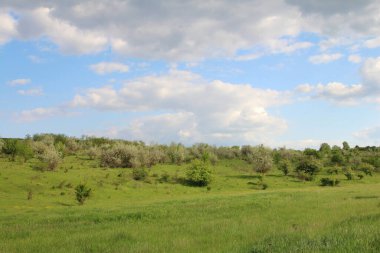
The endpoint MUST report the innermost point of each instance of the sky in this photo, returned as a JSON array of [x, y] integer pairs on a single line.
[[288, 73]]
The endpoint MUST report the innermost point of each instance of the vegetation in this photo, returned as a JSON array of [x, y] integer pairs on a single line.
[[259, 199]]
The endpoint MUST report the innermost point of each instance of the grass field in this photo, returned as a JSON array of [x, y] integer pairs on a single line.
[[232, 215]]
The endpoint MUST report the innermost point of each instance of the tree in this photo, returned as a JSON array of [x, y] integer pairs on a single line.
[[10, 148], [50, 157], [198, 173], [285, 166], [346, 146], [82, 192], [308, 167], [325, 148], [24, 150], [262, 159]]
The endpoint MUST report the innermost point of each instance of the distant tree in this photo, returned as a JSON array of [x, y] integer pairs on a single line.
[[198, 173], [346, 146], [262, 159], [10, 148], [82, 193], [311, 152], [325, 149], [285, 166], [24, 150], [50, 157], [308, 167]]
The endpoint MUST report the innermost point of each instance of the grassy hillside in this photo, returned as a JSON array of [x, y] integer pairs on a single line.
[[39, 212]]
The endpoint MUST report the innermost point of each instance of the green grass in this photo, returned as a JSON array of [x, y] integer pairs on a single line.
[[124, 215]]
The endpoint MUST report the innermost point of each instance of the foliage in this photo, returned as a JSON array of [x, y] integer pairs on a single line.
[[329, 182], [285, 166], [10, 148], [24, 150], [198, 173], [121, 156], [82, 192], [50, 157], [139, 173], [366, 168], [261, 158]]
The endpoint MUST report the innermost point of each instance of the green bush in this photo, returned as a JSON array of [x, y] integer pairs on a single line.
[[139, 174], [50, 157], [285, 166], [308, 167], [349, 175], [366, 168], [82, 192], [329, 182], [198, 173]]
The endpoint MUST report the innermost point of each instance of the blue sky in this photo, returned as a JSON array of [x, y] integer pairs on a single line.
[[280, 72]]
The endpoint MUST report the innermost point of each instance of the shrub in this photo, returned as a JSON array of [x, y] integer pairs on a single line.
[[366, 168], [329, 182], [93, 152], [198, 173], [10, 148], [24, 150], [82, 192], [285, 166], [50, 157], [139, 174], [164, 178], [308, 166], [121, 156], [349, 175], [261, 159]]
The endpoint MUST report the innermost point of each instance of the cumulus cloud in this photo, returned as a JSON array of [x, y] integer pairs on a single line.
[[199, 110], [8, 28], [324, 58], [40, 22], [190, 30], [109, 67], [19, 82], [367, 91]]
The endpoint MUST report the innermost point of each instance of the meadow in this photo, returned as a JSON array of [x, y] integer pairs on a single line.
[[39, 212]]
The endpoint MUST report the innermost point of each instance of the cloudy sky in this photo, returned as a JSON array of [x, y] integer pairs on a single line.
[[279, 72]]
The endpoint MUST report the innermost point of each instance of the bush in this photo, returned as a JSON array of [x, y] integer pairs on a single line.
[[93, 152], [285, 166], [366, 168], [10, 148], [121, 156], [329, 182], [51, 158], [198, 173], [24, 150], [349, 175], [139, 174], [261, 159], [164, 178], [82, 193], [308, 166]]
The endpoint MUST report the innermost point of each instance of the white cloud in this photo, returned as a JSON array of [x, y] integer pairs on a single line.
[[31, 92], [8, 28], [367, 91], [355, 58], [324, 58], [109, 67], [199, 110], [40, 22], [369, 135], [42, 113], [372, 43], [19, 82]]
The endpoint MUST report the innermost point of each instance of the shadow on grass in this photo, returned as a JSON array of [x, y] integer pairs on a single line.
[[65, 204], [246, 176]]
